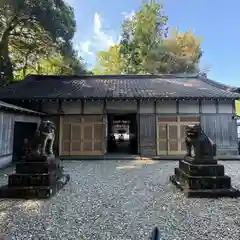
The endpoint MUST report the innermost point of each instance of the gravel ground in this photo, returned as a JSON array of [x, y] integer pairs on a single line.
[[121, 200]]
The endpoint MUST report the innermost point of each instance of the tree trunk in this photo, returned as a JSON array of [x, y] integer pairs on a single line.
[[6, 68], [26, 63]]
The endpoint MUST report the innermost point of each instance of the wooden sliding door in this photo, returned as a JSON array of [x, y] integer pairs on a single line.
[[82, 135], [171, 133]]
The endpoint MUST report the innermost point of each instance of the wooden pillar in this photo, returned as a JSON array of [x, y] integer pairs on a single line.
[[200, 106], [60, 112], [156, 122], [82, 109], [234, 107], [138, 127], [217, 106], [40, 106], [177, 106], [105, 124]]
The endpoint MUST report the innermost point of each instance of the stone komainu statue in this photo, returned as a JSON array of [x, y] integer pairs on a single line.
[[46, 136], [43, 139], [202, 146]]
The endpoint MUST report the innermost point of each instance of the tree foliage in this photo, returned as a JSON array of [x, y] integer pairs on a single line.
[[140, 35], [179, 53], [34, 30], [147, 46], [109, 62]]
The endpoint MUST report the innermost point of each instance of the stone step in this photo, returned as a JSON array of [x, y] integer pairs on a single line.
[[203, 182], [42, 179], [201, 170], [34, 192], [205, 193], [36, 167]]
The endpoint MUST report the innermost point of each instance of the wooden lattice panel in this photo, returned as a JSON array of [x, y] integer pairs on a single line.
[[171, 133], [162, 131], [76, 139], [66, 147], [98, 137], [75, 147], [88, 132], [65, 141], [76, 132], [72, 119], [162, 144], [98, 146], [162, 139], [82, 137], [93, 119], [98, 132], [172, 138], [66, 131], [190, 119], [167, 119], [87, 147]]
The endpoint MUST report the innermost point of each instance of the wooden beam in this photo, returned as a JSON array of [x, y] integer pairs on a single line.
[[40, 106], [82, 109], [60, 110], [155, 107], [60, 135], [200, 106], [138, 126], [217, 106], [138, 106], [104, 107], [177, 107], [233, 107]]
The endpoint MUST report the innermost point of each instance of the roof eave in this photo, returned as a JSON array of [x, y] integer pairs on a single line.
[[11, 107], [121, 98]]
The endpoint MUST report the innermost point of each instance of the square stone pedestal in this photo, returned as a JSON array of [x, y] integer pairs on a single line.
[[203, 179], [35, 178]]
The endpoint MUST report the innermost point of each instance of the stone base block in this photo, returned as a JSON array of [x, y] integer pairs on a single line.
[[35, 157], [205, 193], [195, 160], [37, 167], [39, 179], [201, 169], [32, 192], [202, 182]]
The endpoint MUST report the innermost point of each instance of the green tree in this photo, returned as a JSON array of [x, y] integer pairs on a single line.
[[55, 65], [179, 53], [53, 17], [146, 47], [184, 52], [140, 35], [108, 62]]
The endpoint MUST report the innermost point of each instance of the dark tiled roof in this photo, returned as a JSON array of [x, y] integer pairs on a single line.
[[8, 106], [115, 86]]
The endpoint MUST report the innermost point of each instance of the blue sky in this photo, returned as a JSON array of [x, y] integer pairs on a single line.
[[218, 22]]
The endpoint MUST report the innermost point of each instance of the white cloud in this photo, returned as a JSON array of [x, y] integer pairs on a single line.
[[129, 16], [84, 48], [100, 39]]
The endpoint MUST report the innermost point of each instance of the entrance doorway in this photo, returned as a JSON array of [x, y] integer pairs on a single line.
[[22, 130], [122, 134]]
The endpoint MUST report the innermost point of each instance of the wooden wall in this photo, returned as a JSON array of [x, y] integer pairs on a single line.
[[213, 113], [7, 121], [226, 137], [147, 134]]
